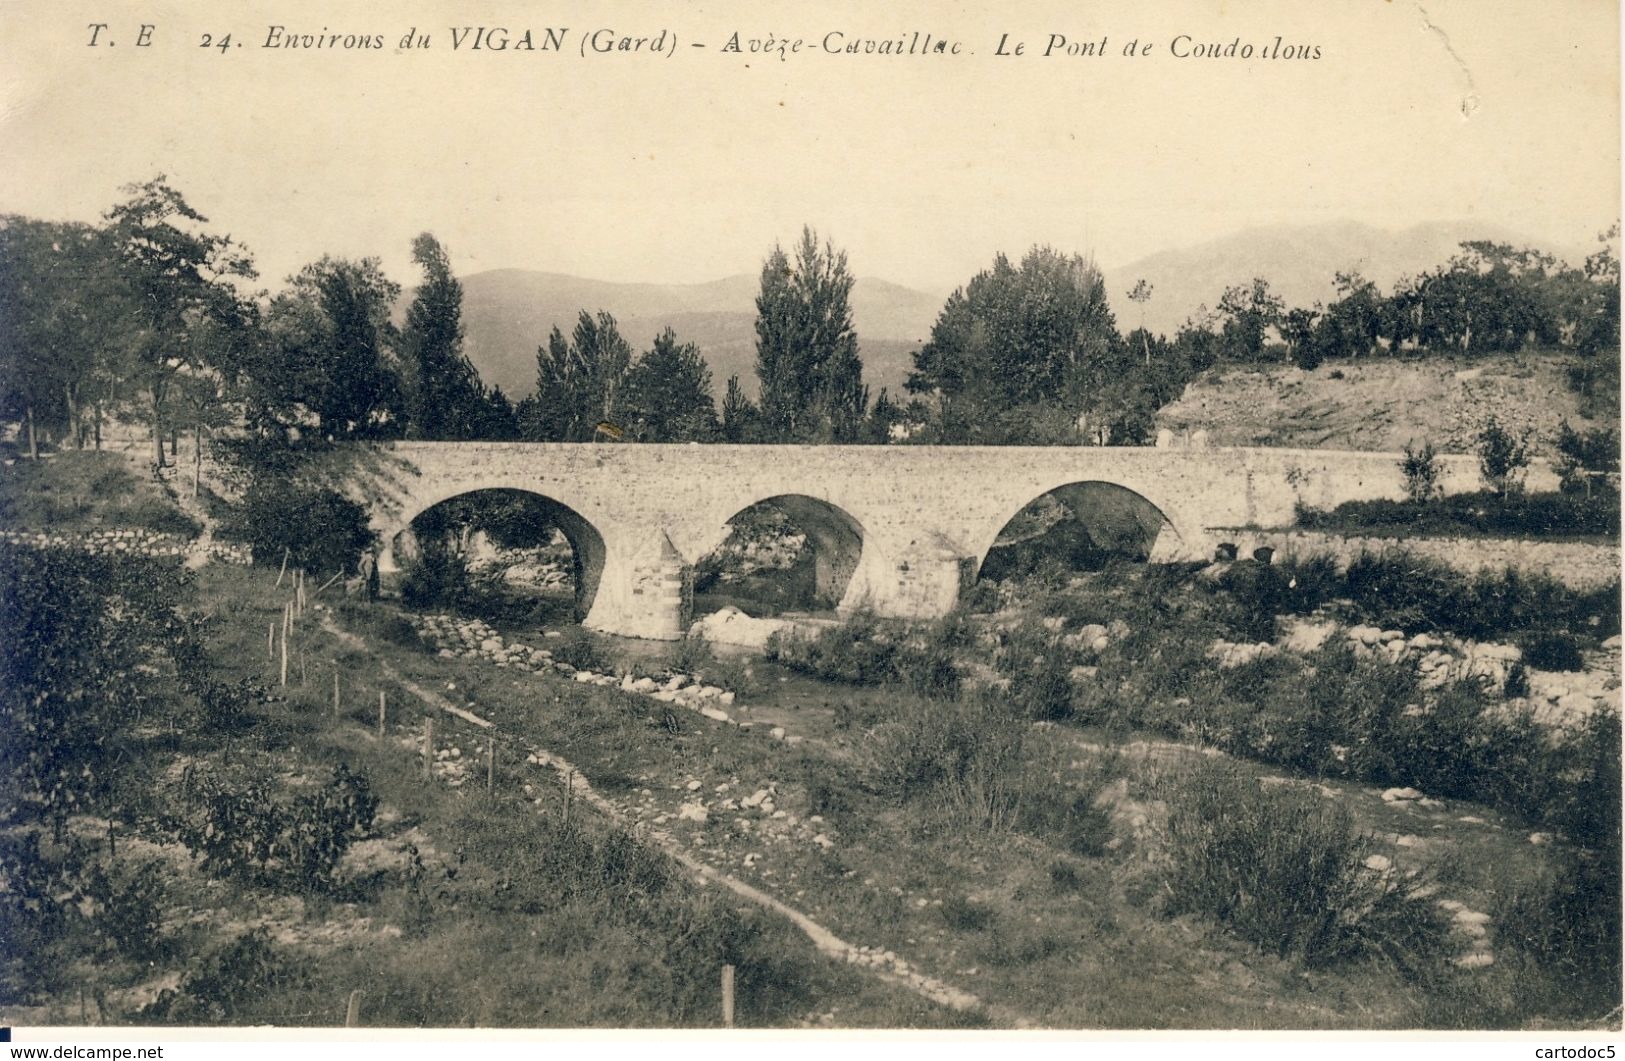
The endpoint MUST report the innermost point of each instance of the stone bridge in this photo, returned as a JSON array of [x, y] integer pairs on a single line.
[[901, 530]]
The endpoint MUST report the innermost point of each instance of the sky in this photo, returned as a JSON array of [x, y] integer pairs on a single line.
[[687, 167]]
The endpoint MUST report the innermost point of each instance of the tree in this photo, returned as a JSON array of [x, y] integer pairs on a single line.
[[445, 399], [1587, 458], [202, 400], [180, 278], [1247, 312], [668, 394], [579, 381], [806, 348], [1421, 468], [1140, 294], [335, 347], [1502, 457], [739, 414], [1019, 352], [1302, 337], [497, 420], [1352, 323], [64, 324]]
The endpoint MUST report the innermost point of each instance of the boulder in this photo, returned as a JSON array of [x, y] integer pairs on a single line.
[[730, 626], [1305, 635], [1365, 634]]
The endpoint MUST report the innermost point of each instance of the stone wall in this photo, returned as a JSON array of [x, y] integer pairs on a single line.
[[131, 542], [1580, 565]]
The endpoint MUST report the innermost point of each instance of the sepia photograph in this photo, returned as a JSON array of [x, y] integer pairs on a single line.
[[821, 518]]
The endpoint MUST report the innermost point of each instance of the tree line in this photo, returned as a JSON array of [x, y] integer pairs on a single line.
[[149, 314]]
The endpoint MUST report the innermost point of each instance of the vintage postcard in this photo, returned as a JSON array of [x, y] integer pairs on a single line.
[[1008, 517]]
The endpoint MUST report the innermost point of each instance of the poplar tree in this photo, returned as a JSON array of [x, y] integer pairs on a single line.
[[445, 399], [806, 348]]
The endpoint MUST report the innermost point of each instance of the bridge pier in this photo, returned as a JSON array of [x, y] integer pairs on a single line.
[[648, 594]]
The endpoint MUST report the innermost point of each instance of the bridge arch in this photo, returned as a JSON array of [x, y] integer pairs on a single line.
[[588, 549], [1117, 517], [840, 544]]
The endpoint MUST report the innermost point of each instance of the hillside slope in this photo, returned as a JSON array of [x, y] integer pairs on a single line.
[[1379, 403]]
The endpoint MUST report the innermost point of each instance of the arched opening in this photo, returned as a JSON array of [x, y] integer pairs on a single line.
[[510, 553], [1075, 527], [786, 554]]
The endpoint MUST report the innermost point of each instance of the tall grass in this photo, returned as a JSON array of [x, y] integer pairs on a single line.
[[972, 761], [1284, 869]]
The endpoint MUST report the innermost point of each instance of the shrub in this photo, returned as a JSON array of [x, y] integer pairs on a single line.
[[437, 575], [579, 649], [224, 986], [693, 653], [1283, 869], [1502, 457], [1549, 651], [966, 755], [319, 530], [1586, 458], [1563, 929], [128, 910], [1538, 515], [1043, 691], [73, 629], [965, 915], [1421, 469], [242, 831]]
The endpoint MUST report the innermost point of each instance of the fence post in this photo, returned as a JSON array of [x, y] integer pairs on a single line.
[[428, 746], [352, 1012], [490, 764], [381, 713], [727, 996]]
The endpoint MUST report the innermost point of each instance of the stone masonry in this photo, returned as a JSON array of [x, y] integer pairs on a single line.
[[905, 528]]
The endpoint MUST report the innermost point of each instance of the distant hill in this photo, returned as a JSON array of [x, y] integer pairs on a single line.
[[1299, 261], [508, 313]]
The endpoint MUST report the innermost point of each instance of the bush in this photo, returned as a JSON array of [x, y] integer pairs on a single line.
[[319, 530], [1548, 651], [436, 576], [1539, 515], [693, 653], [1502, 457], [74, 629], [965, 755], [223, 988], [579, 649], [242, 831], [1587, 458], [1421, 469], [969, 760], [1563, 929], [865, 651], [1284, 869]]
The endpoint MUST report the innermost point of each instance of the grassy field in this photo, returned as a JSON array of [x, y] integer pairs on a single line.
[[80, 491]]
